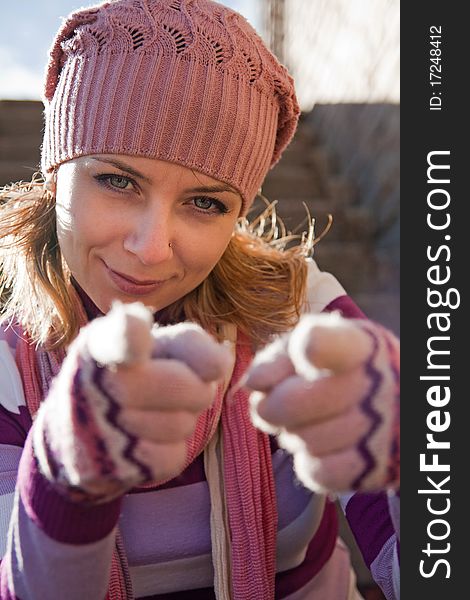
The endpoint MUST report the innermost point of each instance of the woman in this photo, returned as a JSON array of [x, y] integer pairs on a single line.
[[145, 468]]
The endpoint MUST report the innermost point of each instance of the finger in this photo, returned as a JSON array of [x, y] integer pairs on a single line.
[[122, 337], [270, 366], [189, 343], [165, 461], [331, 436], [158, 426], [269, 428], [297, 401], [328, 341], [334, 473], [160, 385]]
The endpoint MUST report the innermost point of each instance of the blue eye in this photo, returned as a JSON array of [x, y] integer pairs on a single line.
[[119, 181], [203, 202], [206, 204], [113, 181]]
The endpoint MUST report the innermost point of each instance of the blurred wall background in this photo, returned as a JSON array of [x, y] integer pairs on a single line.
[[345, 56]]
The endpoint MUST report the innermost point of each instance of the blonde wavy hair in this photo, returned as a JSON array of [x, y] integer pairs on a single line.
[[259, 284]]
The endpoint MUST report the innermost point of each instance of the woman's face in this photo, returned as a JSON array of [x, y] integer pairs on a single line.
[[140, 229]]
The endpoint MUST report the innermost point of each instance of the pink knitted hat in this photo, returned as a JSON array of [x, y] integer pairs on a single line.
[[187, 81]]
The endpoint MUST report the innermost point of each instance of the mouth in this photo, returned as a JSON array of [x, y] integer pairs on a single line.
[[132, 286]]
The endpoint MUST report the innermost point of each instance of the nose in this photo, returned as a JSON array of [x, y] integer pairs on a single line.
[[149, 237]]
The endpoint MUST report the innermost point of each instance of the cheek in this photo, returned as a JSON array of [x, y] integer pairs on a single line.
[[202, 250], [80, 225], [72, 229], [66, 228]]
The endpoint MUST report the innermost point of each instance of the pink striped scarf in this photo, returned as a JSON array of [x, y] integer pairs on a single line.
[[248, 477]]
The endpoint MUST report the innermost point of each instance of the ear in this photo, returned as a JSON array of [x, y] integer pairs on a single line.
[[50, 183]]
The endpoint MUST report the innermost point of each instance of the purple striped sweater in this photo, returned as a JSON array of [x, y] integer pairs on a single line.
[[52, 548]]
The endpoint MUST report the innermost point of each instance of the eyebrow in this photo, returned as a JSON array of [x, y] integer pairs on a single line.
[[212, 189], [123, 166], [197, 190]]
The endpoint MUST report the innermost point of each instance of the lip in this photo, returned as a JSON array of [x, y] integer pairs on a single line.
[[131, 286]]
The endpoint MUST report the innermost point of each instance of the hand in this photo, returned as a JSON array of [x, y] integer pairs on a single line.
[[127, 399], [330, 391]]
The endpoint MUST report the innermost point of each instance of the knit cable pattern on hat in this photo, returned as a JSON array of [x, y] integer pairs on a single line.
[[187, 81]]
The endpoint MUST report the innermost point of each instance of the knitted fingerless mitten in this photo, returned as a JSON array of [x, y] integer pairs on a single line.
[[77, 439], [373, 462], [355, 447]]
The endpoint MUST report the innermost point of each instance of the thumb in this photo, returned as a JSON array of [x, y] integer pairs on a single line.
[[270, 366], [328, 341], [122, 337]]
